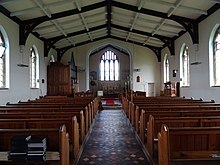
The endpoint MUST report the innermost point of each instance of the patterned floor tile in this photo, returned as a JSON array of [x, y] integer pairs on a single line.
[[112, 142]]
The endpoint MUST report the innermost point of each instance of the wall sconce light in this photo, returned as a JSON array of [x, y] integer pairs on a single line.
[[174, 72], [137, 70]]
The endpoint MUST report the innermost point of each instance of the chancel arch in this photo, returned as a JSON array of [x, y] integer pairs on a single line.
[[109, 68]]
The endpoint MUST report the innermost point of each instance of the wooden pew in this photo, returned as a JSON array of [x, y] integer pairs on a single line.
[[89, 110], [162, 99], [39, 114], [47, 105], [125, 104], [170, 100], [167, 105], [83, 94], [29, 114], [190, 144], [136, 110], [172, 107], [58, 99], [174, 112], [57, 138], [154, 125], [34, 123], [145, 115], [165, 98], [47, 108], [49, 112]]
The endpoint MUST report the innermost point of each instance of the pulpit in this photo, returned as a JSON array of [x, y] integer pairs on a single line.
[[170, 89]]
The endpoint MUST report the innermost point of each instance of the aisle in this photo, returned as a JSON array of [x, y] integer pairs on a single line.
[[112, 142]]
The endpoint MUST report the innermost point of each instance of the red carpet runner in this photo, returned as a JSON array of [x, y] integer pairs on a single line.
[[110, 101]]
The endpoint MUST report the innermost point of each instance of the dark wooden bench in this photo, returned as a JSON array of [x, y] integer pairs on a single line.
[[154, 125], [195, 143], [49, 108], [136, 112], [159, 100], [170, 100], [167, 99], [50, 113], [44, 114], [90, 108], [39, 123], [187, 113], [60, 100], [57, 138], [167, 105]]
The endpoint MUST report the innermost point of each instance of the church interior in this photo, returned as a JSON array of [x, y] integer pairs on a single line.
[[109, 82]]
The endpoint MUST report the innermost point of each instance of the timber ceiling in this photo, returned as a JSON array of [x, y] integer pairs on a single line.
[[64, 24]]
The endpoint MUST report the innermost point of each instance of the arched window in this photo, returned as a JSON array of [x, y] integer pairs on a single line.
[[216, 58], [2, 62], [34, 69], [166, 69], [52, 59], [185, 66], [109, 67]]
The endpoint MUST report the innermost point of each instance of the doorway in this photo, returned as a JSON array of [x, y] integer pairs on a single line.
[[150, 89]]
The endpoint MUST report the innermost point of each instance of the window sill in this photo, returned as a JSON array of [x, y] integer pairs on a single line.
[[184, 86], [4, 88]]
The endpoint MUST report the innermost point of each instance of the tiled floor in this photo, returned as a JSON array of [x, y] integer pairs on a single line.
[[112, 142]]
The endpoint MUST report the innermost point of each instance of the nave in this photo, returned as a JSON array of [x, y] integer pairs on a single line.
[[112, 141]]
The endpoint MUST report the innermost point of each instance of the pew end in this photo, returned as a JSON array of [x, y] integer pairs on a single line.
[[163, 147]]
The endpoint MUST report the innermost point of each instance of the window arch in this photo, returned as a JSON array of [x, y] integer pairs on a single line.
[[166, 69], [4, 59], [52, 59], [109, 67], [216, 58], [34, 68], [184, 66]]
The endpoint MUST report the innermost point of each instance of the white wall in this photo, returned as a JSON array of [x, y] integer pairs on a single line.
[[199, 74], [147, 62], [19, 80]]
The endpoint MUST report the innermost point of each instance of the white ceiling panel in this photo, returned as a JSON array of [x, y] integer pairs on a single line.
[[77, 22]]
